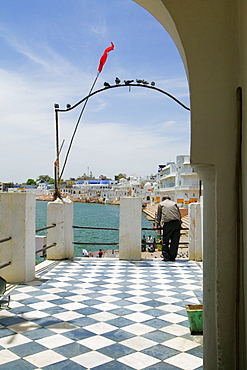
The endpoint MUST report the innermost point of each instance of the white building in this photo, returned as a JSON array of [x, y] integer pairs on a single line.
[[179, 181], [175, 179]]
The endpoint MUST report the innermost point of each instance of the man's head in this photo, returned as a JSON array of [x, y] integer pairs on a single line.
[[166, 197]]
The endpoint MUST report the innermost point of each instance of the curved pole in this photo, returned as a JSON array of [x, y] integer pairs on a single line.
[[85, 99], [124, 85]]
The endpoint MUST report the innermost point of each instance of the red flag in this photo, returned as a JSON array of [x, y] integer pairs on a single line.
[[104, 57]]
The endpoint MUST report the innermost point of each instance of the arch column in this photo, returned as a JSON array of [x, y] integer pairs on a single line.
[[207, 36]]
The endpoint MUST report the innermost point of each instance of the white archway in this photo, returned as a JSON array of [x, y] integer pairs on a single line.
[[207, 36]]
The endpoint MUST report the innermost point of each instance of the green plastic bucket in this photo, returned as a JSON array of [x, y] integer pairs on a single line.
[[195, 316]]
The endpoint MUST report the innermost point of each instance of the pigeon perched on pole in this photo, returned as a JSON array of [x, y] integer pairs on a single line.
[[127, 82]]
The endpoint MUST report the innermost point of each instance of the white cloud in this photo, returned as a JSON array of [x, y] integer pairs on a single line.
[[27, 142], [119, 132], [117, 147]]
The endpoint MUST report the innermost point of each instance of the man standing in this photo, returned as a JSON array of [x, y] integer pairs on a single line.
[[169, 216]]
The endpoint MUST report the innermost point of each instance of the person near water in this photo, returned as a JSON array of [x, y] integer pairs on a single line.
[[100, 253]]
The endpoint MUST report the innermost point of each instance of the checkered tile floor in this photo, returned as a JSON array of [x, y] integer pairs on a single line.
[[103, 314]]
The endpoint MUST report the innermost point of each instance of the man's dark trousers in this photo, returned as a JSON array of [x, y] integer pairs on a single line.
[[171, 236]]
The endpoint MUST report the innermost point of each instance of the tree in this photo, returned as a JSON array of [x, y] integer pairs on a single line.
[[43, 178], [121, 176], [31, 182]]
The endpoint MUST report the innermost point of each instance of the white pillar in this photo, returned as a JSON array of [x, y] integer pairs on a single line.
[[130, 229], [192, 227], [18, 222], [60, 212], [198, 233], [195, 232]]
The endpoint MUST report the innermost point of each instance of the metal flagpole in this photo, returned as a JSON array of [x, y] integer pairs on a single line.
[[76, 126], [57, 175]]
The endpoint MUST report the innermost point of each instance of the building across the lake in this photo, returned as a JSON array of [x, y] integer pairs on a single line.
[[177, 179]]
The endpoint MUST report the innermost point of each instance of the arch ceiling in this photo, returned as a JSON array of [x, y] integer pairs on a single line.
[[158, 9]]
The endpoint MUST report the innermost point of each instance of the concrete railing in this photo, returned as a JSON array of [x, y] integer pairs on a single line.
[[17, 250], [61, 213], [18, 221], [17, 258], [130, 229]]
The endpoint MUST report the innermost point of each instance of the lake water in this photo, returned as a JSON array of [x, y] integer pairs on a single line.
[[92, 215]]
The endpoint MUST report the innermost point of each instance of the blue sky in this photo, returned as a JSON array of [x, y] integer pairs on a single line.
[[50, 52]]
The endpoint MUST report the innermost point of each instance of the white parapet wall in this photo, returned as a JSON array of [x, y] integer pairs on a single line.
[[60, 213], [130, 229], [18, 222]]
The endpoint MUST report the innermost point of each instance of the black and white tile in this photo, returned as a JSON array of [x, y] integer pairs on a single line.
[[103, 314]]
